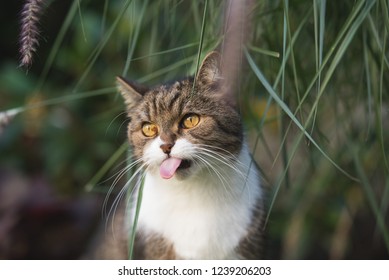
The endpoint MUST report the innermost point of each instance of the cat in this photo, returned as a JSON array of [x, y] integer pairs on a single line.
[[202, 197]]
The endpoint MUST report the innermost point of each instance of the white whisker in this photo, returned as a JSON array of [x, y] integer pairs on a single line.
[[119, 175], [231, 163], [124, 191], [113, 120], [213, 169], [212, 155]]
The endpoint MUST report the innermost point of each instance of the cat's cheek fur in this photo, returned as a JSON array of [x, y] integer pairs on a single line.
[[137, 140], [152, 153]]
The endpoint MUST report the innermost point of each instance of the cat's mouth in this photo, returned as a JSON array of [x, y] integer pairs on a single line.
[[171, 165]]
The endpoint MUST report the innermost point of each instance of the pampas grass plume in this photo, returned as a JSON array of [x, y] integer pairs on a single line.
[[29, 31]]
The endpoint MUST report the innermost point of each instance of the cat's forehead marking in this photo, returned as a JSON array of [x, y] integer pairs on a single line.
[[167, 101]]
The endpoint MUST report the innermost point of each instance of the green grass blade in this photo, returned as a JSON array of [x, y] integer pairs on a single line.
[[286, 33], [263, 51], [104, 169], [58, 41], [355, 26], [380, 105], [350, 20], [352, 24], [279, 75], [285, 108], [133, 41], [374, 30], [384, 9], [81, 21], [368, 81], [319, 20], [203, 24], [135, 223], [187, 46], [60, 100], [167, 69], [102, 44], [104, 16]]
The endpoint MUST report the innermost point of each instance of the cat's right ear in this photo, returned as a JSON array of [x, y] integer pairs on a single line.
[[132, 92]]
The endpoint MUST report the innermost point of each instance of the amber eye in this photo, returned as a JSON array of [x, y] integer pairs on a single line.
[[149, 129], [190, 121]]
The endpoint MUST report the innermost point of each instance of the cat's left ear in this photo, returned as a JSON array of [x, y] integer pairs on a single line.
[[209, 74], [132, 92]]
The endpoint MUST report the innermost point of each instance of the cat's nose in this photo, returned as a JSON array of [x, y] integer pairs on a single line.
[[166, 148]]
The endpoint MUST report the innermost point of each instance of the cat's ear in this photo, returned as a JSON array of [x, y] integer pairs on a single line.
[[210, 76], [132, 92], [209, 73]]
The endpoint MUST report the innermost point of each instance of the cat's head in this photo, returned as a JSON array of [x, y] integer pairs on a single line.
[[181, 128]]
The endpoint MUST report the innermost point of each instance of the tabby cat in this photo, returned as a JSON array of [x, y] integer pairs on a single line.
[[202, 196]]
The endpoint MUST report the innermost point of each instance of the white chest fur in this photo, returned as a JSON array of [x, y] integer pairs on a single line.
[[204, 216]]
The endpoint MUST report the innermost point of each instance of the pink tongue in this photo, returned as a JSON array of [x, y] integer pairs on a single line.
[[169, 166]]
